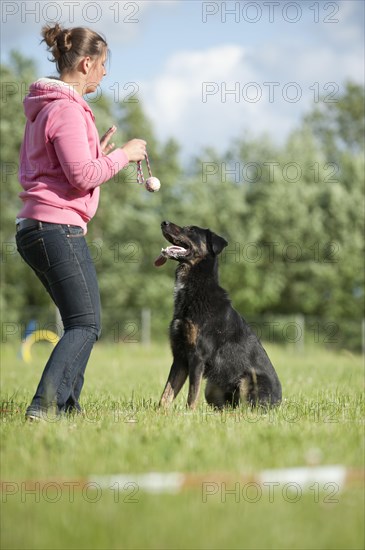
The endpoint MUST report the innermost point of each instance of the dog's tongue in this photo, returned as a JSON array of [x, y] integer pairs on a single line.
[[160, 260], [169, 252]]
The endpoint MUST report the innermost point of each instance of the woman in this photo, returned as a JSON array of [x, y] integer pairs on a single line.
[[62, 165]]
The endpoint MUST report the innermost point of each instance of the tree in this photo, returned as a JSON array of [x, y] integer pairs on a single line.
[[292, 215], [339, 124]]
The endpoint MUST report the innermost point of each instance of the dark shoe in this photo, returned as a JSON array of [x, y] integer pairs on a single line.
[[34, 415]]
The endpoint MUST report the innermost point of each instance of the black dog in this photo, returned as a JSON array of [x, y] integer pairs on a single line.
[[208, 337]]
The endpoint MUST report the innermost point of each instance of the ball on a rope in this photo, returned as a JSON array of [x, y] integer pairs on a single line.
[[152, 184]]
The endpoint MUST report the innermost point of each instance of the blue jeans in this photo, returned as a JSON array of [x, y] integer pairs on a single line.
[[60, 257]]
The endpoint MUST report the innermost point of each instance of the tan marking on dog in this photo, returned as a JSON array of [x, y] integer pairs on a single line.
[[173, 386], [244, 388], [255, 384], [167, 396], [191, 332], [201, 253]]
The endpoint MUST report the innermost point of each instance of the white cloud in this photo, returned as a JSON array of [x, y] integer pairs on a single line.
[[174, 98], [179, 88]]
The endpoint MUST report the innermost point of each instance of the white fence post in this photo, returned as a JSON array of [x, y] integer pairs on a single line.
[[300, 322], [146, 327]]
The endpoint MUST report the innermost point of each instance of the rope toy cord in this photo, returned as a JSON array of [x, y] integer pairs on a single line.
[[152, 184]]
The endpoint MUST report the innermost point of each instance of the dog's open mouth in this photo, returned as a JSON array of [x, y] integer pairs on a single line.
[[171, 252]]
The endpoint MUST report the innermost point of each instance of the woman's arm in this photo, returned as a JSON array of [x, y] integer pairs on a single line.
[[68, 133]]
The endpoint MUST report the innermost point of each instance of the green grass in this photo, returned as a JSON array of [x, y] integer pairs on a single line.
[[319, 422]]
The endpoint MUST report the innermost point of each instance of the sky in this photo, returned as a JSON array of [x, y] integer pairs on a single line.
[[209, 73]]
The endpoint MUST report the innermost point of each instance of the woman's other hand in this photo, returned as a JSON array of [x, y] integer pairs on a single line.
[[106, 147]]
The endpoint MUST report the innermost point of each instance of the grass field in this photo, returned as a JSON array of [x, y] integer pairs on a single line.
[[320, 422]]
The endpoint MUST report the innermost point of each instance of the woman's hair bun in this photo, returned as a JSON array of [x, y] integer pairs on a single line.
[[59, 40]]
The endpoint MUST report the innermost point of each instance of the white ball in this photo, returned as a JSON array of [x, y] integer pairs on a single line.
[[152, 184]]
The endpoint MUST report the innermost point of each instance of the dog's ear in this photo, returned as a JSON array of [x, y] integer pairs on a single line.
[[217, 243]]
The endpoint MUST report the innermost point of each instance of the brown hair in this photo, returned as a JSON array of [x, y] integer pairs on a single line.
[[69, 45]]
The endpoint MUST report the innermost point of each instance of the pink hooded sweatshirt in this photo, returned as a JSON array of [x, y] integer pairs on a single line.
[[61, 161]]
